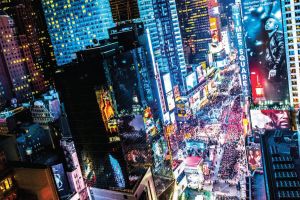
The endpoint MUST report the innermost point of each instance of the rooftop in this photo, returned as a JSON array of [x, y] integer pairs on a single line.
[[8, 113], [193, 161], [281, 165]]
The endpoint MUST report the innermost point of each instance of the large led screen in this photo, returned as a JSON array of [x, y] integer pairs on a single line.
[[270, 119], [170, 100], [254, 157], [191, 81], [266, 50], [134, 139], [60, 179], [167, 82]]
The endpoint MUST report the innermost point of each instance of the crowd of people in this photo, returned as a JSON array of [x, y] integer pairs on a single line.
[[212, 112], [220, 128], [228, 162], [233, 133], [211, 131], [233, 123]]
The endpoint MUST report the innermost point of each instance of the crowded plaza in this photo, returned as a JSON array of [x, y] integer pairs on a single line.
[[217, 140]]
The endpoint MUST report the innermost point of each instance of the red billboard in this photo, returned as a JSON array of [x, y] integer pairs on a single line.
[[270, 119]]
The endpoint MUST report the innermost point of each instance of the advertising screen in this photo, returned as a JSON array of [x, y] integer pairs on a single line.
[[176, 92], [254, 157], [270, 119], [149, 122], [200, 74], [195, 148], [266, 50], [170, 100], [214, 29], [134, 139], [54, 107], [167, 82], [172, 117], [159, 149], [106, 107], [60, 179], [196, 97], [191, 81]]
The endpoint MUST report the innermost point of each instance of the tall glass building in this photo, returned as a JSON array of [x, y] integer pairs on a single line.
[[160, 17], [195, 29], [110, 99], [73, 25]]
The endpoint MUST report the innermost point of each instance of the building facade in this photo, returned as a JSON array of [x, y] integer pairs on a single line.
[[15, 62], [73, 171], [160, 18], [74, 25], [46, 109], [291, 19], [195, 29], [29, 19], [110, 100]]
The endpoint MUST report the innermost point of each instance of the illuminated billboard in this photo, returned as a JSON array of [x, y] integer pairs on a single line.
[[191, 81], [173, 118], [254, 158], [200, 74], [270, 119], [54, 108], [149, 122], [167, 82], [170, 100], [213, 21], [133, 131], [266, 51], [60, 179], [195, 102], [195, 148], [159, 150], [176, 92], [106, 107], [241, 51]]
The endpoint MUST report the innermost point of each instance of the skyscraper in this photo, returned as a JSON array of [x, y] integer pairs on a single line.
[[73, 25], [15, 61], [171, 45], [160, 18], [29, 19], [290, 16], [195, 29], [110, 100], [124, 10]]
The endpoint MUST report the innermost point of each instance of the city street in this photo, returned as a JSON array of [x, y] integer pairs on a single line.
[[221, 130]]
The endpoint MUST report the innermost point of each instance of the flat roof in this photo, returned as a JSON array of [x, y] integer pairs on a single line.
[[193, 161]]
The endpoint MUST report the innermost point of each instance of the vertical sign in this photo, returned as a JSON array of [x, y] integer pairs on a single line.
[[242, 55]]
